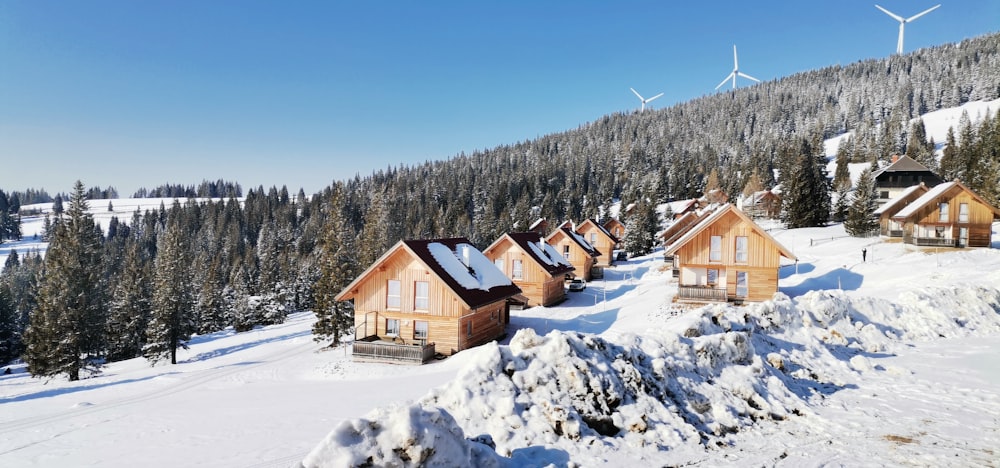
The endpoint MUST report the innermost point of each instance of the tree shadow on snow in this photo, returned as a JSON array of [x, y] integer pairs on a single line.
[[597, 322], [75, 389], [244, 346], [843, 279]]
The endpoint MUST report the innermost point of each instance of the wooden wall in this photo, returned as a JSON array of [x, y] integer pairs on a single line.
[[602, 243], [579, 258], [760, 251], [979, 224], [370, 293], [536, 283]]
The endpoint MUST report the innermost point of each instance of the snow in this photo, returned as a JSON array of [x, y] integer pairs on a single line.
[[457, 263], [548, 254], [931, 194], [899, 198]]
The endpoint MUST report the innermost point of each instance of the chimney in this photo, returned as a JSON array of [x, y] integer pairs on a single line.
[[895, 158], [464, 252]]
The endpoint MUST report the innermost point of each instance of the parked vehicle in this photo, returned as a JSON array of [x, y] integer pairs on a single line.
[[577, 285]]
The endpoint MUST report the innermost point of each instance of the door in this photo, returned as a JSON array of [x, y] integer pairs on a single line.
[[741, 284], [963, 237]]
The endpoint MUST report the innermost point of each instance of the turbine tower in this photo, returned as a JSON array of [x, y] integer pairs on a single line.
[[903, 21], [736, 72], [644, 100]]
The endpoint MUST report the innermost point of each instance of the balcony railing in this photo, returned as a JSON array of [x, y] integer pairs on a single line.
[[895, 233], [372, 348], [702, 293], [935, 241]]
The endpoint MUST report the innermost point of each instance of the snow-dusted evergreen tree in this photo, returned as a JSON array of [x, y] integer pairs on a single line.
[[129, 310], [640, 229], [66, 328], [861, 219], [10, 339], [806, 188], [338, 267], [172, 320]]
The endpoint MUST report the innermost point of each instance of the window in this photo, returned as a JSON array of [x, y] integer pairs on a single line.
[[963, 212], [883, 194], [943, 212], [421, 293], [741, 249], [392, 295], [593, 238], [566, 251], [419, 330], [499, 263], [392, 327], [517, 269], [939, 232], [713, 277], [715, 254], [468, 328], [741, 284]]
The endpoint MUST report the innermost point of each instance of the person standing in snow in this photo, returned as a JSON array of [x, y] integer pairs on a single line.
[[864, 254]]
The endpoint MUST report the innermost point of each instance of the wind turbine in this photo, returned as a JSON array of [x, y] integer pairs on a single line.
[[644, 100], [736, 72], [903, 21]]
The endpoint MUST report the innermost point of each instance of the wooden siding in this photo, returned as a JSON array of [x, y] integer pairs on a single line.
[[762, 282], [979, 223], [760, 252], [370, 293], [579, 258], [601, 242], [449, 334], [536, 283]]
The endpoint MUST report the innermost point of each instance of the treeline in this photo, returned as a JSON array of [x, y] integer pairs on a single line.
[[206, 189], [10, 219]]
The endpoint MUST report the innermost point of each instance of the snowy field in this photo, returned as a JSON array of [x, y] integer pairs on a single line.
[[890, 361]]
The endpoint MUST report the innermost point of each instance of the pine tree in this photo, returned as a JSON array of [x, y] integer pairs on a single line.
[[10, 339], [171, 323], [66, 328], [806, 189], [129, 310], [861, 220], [338, 267], [640, 229]]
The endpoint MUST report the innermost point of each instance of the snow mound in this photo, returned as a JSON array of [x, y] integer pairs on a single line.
[[728, 369]]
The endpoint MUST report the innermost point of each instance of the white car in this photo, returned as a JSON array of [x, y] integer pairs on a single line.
[[577, 285]]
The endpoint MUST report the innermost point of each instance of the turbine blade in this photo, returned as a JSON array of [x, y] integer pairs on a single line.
[[637, 94], [654, 97], [893, 15], [744, 75], [935, 7], [725, 80], [736, 61]]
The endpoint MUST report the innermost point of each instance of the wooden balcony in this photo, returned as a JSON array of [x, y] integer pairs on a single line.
[[373, 348], [935, 242], [895, 233], [701, 293]]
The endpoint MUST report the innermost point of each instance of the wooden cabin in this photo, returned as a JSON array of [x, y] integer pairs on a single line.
[[616, 228], [904, 172], [727, 257], [677, 229], [533, 265], [600, 239], [575, 248], [541, 226], [438, 293], [889, 227], [762, 204], [682, 207], [948, 215]]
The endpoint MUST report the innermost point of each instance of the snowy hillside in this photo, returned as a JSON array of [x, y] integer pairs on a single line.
[[897, 364]]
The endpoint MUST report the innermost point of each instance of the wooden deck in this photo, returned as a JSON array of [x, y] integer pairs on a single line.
[[701, 293], [372, 348]]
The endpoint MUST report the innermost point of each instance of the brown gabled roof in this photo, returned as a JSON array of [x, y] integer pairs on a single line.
[[935, 194], [681, 225], [904, 163], [715, 216], [614, 240], [589, 249], [553, 263], [422, 251]]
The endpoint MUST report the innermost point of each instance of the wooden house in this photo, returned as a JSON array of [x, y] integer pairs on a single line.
[[677, 229], [904, 172], [713, 197], [616, 228], [762, 204], [577, 251], [541, 226], [600, 239], [948, 215], [682, 207], [533, 265], [727, 257], [889, 227], [425, 297]]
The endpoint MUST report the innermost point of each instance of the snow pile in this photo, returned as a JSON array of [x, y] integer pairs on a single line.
[[721, 370], [468, 266]]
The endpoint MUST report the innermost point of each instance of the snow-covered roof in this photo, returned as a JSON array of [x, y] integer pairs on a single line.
[[901, 200], [599, 228], [539, 251], [934, 194], [537, 223], [589, 249], [458, 264], [681, 206]]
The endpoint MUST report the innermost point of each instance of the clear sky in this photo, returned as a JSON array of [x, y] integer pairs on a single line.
[[140, 93]]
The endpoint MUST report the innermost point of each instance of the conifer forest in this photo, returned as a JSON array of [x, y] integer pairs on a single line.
[[143, 286]]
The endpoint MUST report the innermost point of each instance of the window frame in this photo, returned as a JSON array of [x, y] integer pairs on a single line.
[[708, 276], [715, 249], [498, 262], [389, 296], [963, 212], [742, 283], [388, 328], [943, 210], [416, 329], [517, 269], [421, 303], [742, 256]]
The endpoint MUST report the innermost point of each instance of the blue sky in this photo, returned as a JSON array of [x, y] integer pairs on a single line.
[[133, 94]]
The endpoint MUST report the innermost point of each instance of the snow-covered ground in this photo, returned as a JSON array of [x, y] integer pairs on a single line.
[[889, 361]]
